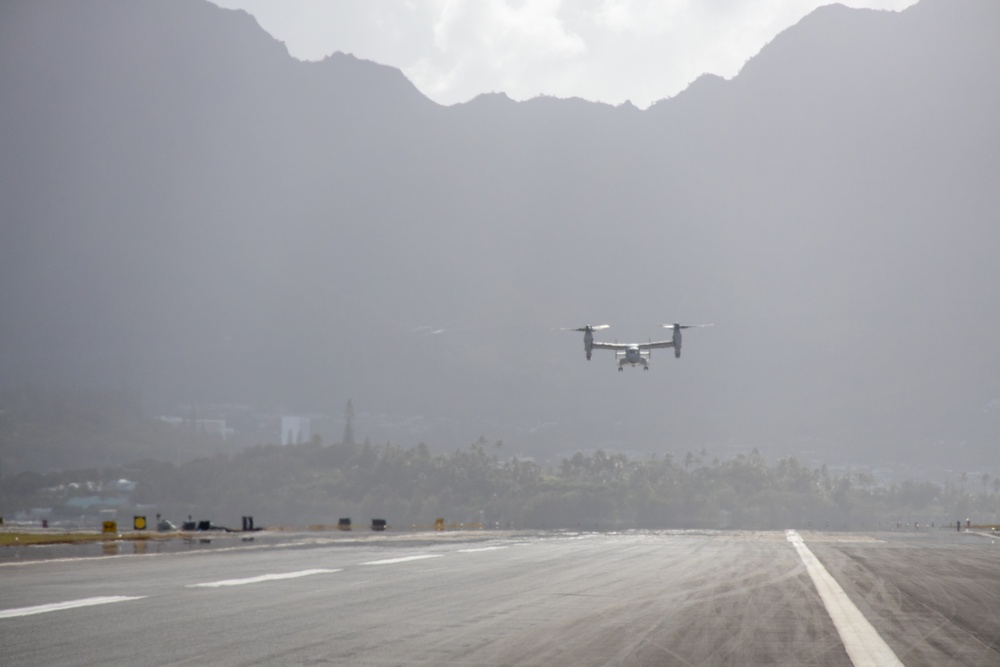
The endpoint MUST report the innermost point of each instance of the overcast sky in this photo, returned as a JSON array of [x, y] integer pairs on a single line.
[[600, 50]]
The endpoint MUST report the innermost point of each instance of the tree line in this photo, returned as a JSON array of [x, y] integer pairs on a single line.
[[316, 483]]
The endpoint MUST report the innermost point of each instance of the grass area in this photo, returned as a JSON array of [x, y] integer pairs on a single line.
[[18, 539]]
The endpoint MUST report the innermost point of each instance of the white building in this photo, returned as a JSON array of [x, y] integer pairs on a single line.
[[210, 426]]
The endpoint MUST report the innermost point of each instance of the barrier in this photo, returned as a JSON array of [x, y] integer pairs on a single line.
[[441, 525]]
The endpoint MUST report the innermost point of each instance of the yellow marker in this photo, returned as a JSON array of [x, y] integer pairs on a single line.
[[110, 527], [139, 523]]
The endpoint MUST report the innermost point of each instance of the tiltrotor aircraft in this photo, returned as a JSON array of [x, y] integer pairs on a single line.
[[632, 354]]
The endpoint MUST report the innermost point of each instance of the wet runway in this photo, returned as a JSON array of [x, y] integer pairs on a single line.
[[500, 598]]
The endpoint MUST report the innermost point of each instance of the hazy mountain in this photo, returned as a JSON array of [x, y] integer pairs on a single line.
[[189, 212]]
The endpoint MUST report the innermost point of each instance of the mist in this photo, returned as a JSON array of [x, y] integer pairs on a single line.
[[194, 217]]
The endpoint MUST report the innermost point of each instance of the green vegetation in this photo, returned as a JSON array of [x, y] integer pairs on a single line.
[[316, 483], [21, 539], [184, 474]]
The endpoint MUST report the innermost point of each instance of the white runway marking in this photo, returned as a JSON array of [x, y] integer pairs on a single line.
[[470, 551], [58, 606], [260, 579], [863, 644], [392, 561]]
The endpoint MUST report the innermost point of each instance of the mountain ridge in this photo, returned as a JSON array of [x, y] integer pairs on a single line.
[[271, 231]]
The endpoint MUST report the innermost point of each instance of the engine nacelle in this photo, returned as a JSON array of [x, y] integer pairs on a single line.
[[676, 339]]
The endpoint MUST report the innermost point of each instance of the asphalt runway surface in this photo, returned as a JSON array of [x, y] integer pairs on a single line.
[[503, 598]]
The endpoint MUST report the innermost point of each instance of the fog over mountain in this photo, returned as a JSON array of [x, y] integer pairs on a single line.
[[188, 212]]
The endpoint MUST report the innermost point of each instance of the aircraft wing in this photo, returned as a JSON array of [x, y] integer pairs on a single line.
[[610, 346], [654, 345]]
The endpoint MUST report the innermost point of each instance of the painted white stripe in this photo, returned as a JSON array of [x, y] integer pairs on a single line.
[[260, 579], [404, 559], [863, 644], [58, 606], [470, 551]]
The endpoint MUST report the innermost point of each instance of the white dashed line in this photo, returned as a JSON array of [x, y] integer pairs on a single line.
[[864, 646], [404, 559], [262, 578], [58, 606], [470, 551]]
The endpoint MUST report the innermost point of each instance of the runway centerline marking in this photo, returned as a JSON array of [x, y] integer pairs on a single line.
[[404, 559], [865, 647], [470, 551], [262, 578], [72, 604]]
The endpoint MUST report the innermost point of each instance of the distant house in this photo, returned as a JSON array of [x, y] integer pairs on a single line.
[[211, 426], [87, 502]]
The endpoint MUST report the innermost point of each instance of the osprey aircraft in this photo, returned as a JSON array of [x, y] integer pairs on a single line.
[[633, 354]]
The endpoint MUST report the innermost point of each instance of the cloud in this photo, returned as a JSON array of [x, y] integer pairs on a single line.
[[602, 50], [631, 17], [493, 41]]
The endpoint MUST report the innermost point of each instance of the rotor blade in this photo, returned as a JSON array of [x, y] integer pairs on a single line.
[[587, 327], [685, 326]]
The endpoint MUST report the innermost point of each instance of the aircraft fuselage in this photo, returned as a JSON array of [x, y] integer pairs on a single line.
[[633, 356]]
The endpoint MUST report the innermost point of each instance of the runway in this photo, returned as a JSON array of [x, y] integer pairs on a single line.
[[504, 598]]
